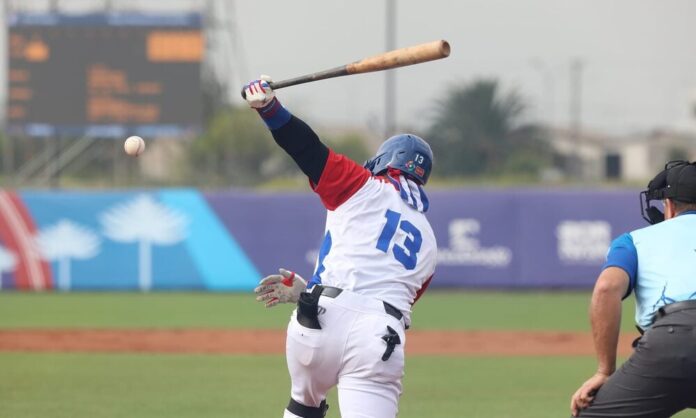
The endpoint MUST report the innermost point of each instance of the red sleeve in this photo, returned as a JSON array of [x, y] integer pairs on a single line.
[[341, 179], [420, 291]]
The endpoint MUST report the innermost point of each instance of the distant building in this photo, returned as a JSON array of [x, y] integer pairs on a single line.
[[595, 157]]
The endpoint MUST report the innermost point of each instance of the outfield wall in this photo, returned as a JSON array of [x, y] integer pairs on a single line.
[[183, 239]]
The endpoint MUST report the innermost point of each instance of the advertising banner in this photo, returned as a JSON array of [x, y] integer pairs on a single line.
[[176, 239]]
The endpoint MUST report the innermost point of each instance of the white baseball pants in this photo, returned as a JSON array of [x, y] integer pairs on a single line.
[[347, 352]]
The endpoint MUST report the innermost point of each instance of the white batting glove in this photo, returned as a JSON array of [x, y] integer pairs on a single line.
[[280, 288], [259, 93]]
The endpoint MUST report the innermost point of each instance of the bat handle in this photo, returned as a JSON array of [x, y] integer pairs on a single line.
[[271, 85]]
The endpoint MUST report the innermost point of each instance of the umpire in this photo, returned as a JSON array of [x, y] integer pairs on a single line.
[[658, 264]]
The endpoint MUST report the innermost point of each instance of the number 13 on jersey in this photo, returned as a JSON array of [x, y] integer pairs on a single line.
[[408, 254]]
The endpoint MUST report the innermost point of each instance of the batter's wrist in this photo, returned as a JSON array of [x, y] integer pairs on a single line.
[[274, 114]]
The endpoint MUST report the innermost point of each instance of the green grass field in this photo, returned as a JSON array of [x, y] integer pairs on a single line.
[[437, 310], [77, 385]]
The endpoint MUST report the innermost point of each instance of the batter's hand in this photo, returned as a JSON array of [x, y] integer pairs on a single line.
[[280, 288], [259, 93], [584, 396]]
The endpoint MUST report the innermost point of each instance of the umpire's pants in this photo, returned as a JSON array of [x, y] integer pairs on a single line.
[[659, 379]]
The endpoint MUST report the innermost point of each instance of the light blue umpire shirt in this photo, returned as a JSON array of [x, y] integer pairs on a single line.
[[660, 261]]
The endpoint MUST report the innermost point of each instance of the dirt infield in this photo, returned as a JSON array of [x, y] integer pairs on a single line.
[[219, 341]]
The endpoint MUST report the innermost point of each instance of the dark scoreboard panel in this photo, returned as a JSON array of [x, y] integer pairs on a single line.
[[104, 75]]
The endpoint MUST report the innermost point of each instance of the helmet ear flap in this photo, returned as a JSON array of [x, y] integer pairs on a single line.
[[369, 164], [373, 162]]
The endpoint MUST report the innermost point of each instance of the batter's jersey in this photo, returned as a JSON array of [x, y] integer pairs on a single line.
[[660, 261], [378, 241]]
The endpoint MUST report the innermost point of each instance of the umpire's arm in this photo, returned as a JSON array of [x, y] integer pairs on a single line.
[[605, 317]]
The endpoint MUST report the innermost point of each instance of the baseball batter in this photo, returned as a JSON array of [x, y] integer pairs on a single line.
[[377, 258]]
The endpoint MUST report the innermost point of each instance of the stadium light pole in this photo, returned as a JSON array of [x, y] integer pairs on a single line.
[[390, 75], [8, 151], [549, 90], [576, 70]]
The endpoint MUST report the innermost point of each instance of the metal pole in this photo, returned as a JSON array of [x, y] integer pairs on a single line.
[[114, 169], [8, 159], [548, 93], [8, 151], [576, 69], [390, 75], [56, 172], [52, 166]]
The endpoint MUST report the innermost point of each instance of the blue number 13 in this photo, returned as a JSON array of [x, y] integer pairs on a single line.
[[408, 254]]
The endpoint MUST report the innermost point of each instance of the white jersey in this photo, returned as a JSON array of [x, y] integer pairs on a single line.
[[378, 241]]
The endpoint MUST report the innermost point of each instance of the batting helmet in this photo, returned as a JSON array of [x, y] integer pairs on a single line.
[[406, 152]]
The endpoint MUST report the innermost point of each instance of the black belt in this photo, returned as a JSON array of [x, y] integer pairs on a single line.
[[332, 292], [675, 307]]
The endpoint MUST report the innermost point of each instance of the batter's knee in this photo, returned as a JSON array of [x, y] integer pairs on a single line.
[[303, 411]]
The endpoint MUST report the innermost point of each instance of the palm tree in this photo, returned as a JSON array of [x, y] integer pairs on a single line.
[[8, 261], [479, 129], [147, 222], [66, 240]]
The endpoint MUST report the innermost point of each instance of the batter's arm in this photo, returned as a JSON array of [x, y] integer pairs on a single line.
[[303, 145], [334, 177], [292, 134]]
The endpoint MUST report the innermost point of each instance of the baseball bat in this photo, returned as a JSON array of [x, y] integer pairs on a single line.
[[392, 59]]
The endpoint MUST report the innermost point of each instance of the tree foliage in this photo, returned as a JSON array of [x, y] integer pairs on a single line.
[[480, 130], [351, 145], [234, 149], [237, 149]]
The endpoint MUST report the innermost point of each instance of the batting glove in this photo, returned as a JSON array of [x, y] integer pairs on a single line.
[[259, 93], [285, 287]]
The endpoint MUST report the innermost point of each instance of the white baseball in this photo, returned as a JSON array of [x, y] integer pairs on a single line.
[[134, 145]]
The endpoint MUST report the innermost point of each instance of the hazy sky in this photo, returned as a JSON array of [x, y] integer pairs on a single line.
[[639, 56]]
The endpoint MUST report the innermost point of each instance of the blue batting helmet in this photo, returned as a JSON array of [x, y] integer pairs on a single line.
[[406, 152]]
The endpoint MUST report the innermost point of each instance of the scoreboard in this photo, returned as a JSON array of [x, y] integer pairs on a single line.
[[104, 75]]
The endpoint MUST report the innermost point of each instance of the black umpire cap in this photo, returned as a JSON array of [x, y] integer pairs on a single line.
[[681, 182]]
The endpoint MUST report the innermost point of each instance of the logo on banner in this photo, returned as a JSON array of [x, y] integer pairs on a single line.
[[583, 242], [465, 249], [146, 222], [64, 242]]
